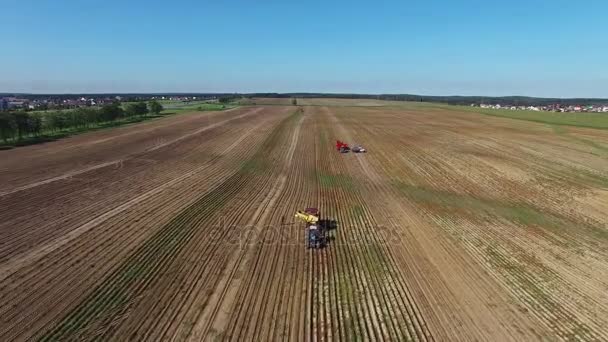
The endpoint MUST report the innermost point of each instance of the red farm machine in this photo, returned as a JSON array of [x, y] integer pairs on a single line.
[[342, 147]]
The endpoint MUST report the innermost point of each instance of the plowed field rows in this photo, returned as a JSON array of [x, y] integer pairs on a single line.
[[454, 226]]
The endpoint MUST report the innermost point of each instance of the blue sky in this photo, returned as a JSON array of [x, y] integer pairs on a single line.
[[467, 47]]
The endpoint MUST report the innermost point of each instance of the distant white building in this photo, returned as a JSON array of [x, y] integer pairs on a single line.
[[16, 104]]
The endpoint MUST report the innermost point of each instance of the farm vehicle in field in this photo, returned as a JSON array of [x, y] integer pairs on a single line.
[[315, 233], [359, 149], [343, 147]]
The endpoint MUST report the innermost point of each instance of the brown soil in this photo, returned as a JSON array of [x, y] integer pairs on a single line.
[[454, 226]]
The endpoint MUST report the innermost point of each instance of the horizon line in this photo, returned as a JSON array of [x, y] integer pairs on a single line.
[[298, 93]]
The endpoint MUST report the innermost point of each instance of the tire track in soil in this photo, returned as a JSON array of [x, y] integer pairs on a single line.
[[79, 141], [372, 311], [198, 232], [485, 325], [214, 318], [261, 310], [77, 278], [360, 287], [360, 300], [49, 222], [368, 175], [138, 271], [502, 248], [117, 162], [84, 197], [170, 301], [77, 200], [268, 276], [41, 251], [100, 251], [36, 162]]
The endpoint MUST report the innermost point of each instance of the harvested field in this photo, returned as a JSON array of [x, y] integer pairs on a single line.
[[454, 226], [328, 102]]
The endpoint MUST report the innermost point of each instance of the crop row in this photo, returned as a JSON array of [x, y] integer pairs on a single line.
[[518, 245], [142, 269], [95, 253]]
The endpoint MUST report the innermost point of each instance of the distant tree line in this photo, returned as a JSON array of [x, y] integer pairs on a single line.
[[15, 126], [454, 100]]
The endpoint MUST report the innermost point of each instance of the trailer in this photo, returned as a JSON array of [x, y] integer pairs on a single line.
[[359, 149]]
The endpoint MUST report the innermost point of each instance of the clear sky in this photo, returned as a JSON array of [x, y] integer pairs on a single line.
[[465, 47]]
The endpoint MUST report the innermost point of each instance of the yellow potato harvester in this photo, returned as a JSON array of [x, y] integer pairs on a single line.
[[314, 232]]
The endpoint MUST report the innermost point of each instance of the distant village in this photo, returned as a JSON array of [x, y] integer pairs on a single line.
[[54, 103], [550, 108]]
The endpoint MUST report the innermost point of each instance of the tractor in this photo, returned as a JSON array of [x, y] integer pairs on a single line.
[[316, 236], [342, 147], [315, 233]]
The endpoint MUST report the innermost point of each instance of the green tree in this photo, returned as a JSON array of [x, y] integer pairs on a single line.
[[93, 115], [57, 120], [8, 126], [22, 121], [294, 101], [224, 99], [78, 117], [136, 109], [111, 112], [155, 107], [131, 110], [47, 122], [34, 124], [142, 108]]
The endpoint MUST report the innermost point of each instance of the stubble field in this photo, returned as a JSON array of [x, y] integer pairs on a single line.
[[454, 226]]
